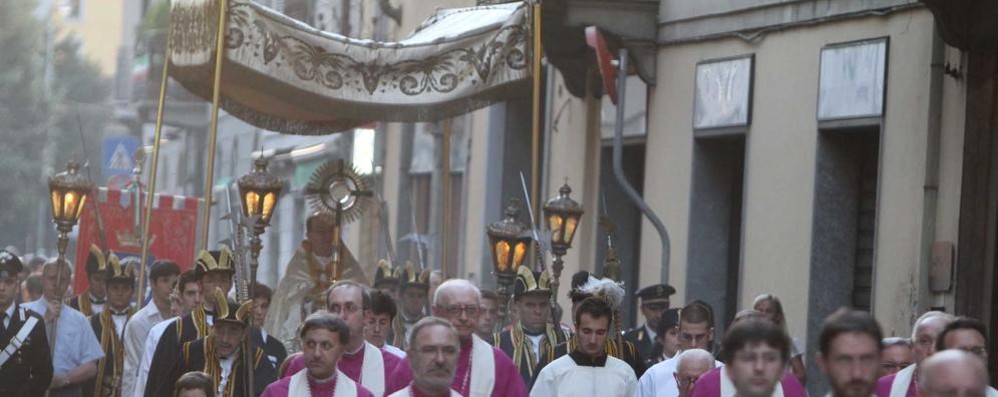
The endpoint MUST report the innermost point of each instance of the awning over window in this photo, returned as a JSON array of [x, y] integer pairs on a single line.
[[282, 75]]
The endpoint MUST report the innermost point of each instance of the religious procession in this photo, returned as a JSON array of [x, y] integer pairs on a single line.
[[640, 198]]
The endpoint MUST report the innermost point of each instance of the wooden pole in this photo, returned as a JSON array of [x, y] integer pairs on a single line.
[[535, 147], [154, 166], [209, 177], [445, 169]]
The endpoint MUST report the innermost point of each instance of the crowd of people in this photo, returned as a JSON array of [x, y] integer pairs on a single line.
[[412, 333]]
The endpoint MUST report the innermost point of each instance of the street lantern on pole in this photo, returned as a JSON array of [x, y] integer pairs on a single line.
[[562, 215], [259, 191], [509, 244], [68, 192]]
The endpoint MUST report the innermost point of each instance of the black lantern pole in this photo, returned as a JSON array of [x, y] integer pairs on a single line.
[[562, 215], [259, 191], [509, 244], [68, 193]]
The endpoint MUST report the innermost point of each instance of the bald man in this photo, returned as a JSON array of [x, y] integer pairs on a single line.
[[692, 364], [482, 370], [923, 337], [952, 373]]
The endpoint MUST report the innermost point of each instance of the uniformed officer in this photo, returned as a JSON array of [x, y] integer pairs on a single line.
[[25, 362], [654, 302]]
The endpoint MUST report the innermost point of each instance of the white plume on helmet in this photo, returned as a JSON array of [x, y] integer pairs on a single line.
[[605, 288]]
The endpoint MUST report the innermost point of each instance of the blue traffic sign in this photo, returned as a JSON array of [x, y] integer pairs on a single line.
[[117, 161]]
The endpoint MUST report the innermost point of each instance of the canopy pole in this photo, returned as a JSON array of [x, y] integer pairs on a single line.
[[535, 146], [448, 126], [209, 176], [154, 167]]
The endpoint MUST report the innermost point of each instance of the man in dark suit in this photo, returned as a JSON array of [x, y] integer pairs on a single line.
[[654, 302], [274, 351], [25, 361]]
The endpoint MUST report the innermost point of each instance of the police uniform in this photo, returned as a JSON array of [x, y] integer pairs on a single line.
[[111, 367], [25, 361], [669, 320], [643, 336]]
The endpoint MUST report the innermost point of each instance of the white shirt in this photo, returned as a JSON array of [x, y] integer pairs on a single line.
[[75, 343], [564, 378], [119, 323], [226, 364], [155, 333], [394, 350], [97, 307], [10, 313], [136, 331], [658, 381], [536, 345]]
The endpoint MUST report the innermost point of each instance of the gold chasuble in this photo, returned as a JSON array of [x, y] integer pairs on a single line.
[[299, 293]]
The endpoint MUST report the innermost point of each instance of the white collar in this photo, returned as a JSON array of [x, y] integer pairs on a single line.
[[227, 362], [10, 311]]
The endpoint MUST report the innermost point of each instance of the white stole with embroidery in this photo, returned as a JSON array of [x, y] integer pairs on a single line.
[[372, 372], [899, 387], [728, 387], [299, 385], [483, 368]]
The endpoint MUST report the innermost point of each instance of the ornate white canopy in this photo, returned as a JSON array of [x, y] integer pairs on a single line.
[[285, 76]]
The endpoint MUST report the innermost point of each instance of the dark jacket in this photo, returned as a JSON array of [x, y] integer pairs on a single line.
[[29, 371]]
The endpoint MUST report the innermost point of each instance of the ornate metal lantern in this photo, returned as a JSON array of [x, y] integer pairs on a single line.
[[68, 191]]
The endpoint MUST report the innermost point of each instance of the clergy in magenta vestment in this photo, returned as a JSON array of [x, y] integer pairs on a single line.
[[482, 370], [301, 384], [901, 384], [368, 366], [716, 383]]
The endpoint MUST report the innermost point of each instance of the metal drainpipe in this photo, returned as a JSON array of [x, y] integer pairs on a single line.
[[618, 168], [930, 189]]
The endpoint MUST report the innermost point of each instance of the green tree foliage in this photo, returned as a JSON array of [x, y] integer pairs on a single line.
[[32, 109]]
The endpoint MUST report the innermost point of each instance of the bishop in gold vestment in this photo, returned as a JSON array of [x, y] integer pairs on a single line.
[[308, 275]]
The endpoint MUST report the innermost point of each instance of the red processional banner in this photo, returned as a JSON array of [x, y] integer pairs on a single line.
[[173, 231]]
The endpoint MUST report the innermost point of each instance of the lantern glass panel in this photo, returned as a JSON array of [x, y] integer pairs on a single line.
[[56, 205], [252, 203], [69, 204], [519, 254], [268, 206], [573, 222], [554, 222], [79, 210], [502, 256]]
